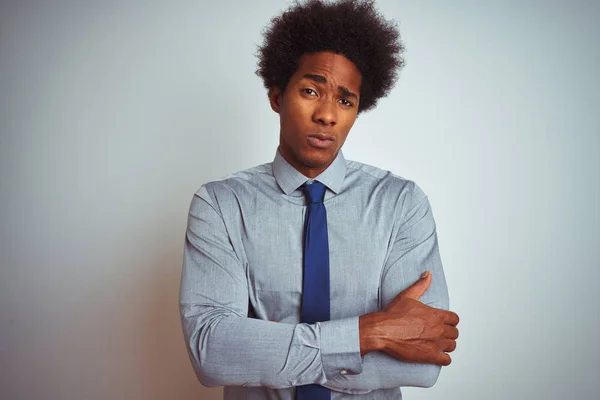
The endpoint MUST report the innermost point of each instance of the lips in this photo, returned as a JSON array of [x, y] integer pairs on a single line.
[[320, 141]]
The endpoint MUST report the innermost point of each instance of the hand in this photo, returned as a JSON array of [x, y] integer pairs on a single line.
[[409, 330]]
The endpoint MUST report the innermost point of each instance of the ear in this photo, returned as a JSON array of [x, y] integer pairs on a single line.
[[275, 98]]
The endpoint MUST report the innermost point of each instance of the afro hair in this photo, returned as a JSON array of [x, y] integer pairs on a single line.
[[353, 28]]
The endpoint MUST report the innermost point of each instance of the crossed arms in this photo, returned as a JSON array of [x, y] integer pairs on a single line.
[[404, 344]]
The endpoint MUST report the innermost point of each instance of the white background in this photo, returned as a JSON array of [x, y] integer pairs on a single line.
[[113, 114]]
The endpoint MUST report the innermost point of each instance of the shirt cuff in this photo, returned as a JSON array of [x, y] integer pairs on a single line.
[[340, 347]]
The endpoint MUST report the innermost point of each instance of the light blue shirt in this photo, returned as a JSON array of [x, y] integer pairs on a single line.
[[241, 283]]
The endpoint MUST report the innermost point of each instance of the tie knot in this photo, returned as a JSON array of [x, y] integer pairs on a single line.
[[314, 192]]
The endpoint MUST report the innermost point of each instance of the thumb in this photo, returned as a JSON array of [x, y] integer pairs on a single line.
[[417, 289]]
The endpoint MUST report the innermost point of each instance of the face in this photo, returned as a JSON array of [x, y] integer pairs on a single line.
[[317, 110]]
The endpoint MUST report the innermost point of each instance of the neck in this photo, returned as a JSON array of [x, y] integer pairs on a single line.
[[307, 171]]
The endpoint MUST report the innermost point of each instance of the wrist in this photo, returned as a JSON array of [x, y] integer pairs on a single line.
[[368, 328]]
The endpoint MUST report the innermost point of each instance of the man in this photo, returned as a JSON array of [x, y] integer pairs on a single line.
[[314, 277]]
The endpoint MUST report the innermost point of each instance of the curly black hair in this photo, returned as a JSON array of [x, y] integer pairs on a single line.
[[353, 28]]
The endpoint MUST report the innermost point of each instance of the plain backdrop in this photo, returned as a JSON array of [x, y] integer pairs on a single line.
[[113, 114]]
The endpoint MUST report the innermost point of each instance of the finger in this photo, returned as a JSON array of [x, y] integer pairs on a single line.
[[447, 345], [417, 289], [443, 359], [450, 332], [451, 318]]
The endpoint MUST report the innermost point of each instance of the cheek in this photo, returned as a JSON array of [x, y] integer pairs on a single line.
[[295, 122], [293, 127], [348, 123]]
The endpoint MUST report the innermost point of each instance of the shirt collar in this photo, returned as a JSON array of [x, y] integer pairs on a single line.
[[289, 178]]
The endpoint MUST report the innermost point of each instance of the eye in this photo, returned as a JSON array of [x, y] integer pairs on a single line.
[[310, 92], [346, 102]]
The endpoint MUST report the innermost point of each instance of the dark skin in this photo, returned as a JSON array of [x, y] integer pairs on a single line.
[[317, 111], [409, 330]]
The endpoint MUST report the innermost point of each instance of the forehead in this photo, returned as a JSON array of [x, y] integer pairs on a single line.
[[336, 68]]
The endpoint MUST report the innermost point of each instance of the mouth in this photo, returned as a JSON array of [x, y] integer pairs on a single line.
[[321, 141]]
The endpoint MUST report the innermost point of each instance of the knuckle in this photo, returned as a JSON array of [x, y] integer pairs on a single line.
[[452, 345], [447, 360], [457, 318]]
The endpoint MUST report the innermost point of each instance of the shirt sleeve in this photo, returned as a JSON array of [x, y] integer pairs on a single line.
[[414, 250], [226, 347]]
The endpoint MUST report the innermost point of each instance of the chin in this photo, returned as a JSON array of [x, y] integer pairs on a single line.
[[317, 159]]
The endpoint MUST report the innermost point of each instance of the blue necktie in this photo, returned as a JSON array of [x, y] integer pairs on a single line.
[[315, 286]]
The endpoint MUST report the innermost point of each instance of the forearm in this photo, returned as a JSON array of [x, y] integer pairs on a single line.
[[227, 349], [380, 371]]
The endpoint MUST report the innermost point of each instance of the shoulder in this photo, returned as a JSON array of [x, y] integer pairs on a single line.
[[235, 185], [383, 182]]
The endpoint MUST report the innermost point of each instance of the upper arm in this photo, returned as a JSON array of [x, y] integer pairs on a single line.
[[213, 279], [210, 262], [414, 250]]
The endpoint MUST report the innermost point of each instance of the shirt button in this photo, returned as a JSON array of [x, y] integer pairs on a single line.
[[343, 372]]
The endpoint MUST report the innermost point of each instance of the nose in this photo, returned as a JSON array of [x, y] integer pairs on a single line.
[[325, 113]]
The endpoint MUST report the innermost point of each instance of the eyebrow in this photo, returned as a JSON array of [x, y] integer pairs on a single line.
[[321, 79]]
